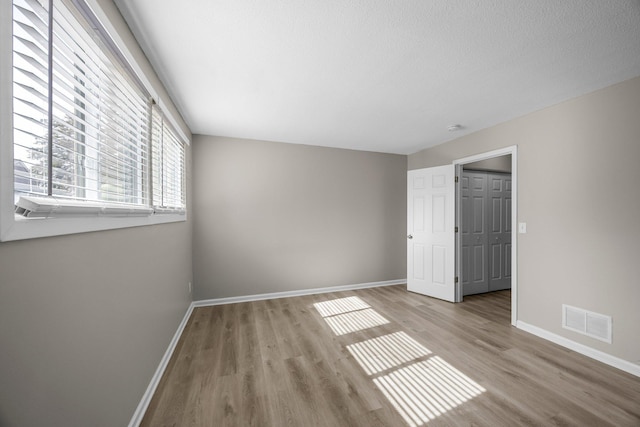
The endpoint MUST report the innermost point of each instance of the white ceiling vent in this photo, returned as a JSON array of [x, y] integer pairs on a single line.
[[586, 322]]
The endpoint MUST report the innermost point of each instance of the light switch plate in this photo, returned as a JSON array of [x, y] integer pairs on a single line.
[[522, 227]]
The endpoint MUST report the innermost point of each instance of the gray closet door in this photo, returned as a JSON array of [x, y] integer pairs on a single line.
[[486, 232], [499, 192], [474, 274]]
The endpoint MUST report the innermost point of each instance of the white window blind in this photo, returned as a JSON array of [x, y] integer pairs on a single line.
[[168, 160], [84, 127]]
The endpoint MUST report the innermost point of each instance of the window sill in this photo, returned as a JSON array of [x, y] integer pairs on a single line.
[[20, 228]]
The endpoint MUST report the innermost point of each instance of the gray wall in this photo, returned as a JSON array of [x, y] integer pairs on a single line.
[[276, 217], [85, 319], [579, 194]]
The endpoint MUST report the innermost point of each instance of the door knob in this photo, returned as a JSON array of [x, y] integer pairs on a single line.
[[409, 236]]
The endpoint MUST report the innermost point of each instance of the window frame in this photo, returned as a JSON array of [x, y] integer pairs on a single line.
[[15, 227]]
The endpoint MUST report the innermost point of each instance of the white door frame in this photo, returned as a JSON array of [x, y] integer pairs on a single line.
[[513, 150]]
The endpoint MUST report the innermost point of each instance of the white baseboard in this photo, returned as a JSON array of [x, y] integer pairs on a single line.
[[598, 355], [287, 294], [155, 380]]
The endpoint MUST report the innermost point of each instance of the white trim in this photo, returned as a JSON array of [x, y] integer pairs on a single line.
[[458, 236], [301, 292], [138, 415], [616, 362], [6, 116], [514, 234], [513, 150], [487, 155]]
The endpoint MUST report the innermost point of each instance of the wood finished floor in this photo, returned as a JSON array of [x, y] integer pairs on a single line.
[[280, 363]]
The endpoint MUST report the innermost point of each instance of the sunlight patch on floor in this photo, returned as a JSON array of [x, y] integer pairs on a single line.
[[340, 306], [419, 391], [379, 354], [422, 391], [355, 321]]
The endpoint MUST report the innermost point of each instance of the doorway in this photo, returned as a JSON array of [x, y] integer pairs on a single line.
[[433, 245], [503, 161]]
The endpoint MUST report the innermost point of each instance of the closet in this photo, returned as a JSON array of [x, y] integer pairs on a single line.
[[486, 231]]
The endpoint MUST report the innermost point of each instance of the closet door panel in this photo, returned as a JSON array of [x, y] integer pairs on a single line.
[[475, 277], [499, 238]]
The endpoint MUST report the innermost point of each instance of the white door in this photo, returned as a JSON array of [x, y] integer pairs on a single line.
[[431, 233]]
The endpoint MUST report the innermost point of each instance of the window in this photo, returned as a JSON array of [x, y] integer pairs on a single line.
[[88, 138]]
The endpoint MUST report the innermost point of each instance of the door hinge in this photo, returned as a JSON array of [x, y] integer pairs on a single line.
[[457, 178], [456, 281], [456, 229]]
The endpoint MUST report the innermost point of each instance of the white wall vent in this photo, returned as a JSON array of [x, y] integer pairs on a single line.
[[586, 322]]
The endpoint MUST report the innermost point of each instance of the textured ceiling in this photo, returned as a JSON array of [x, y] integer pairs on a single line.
[[379, 75]]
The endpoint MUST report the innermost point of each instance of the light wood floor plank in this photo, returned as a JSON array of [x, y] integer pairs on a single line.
[[280, 363]]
